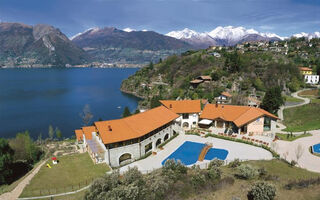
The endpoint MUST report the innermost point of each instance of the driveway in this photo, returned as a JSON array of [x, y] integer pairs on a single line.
[[307, 160]]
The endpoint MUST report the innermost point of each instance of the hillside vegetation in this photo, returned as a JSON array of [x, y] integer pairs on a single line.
[[238, 70]]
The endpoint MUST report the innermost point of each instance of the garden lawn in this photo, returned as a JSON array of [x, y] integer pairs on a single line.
[[293, 99], [303, 118], [313, 92], [288, 137], [71, 173]]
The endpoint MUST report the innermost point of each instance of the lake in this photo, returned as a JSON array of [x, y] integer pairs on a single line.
[[33, 99]]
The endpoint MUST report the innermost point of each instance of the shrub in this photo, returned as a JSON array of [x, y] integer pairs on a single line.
[[246, 172], [173, 169], [262, 172], [235, 163], [215, 163], [214, 173], [262, 191], [198, 177], [158, 186]]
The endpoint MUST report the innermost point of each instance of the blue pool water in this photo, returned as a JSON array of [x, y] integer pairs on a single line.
[[316, 148], [188, 153]]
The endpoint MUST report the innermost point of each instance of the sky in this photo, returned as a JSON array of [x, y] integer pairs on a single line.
[[283, 17]]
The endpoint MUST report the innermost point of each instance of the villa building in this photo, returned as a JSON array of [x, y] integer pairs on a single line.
[[120, 141], [225, 97], [188, 111], [308, 75], [237, 119]]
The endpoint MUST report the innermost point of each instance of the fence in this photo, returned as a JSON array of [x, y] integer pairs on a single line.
[[56, 190]]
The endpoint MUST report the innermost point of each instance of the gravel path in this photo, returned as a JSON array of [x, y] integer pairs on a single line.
[[16, 192]]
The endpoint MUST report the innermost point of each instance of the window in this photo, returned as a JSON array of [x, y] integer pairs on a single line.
[[185, 116], [194, 123], [267, 124], [148, 147]]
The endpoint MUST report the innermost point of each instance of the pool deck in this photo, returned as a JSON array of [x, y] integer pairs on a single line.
[[236, 150]]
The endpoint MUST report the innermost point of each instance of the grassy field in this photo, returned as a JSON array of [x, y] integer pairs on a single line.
[[288, 137], [303, 118], [313, 92], [293, 99], [72, 172]]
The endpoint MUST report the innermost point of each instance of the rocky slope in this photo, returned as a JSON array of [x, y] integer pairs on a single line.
[[22, 45]]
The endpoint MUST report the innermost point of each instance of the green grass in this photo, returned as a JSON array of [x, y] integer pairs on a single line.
[[71, 173], [303, 118], [293, 99], [288, 137]]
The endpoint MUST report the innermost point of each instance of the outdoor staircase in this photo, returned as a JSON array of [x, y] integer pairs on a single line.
[[204, 151]]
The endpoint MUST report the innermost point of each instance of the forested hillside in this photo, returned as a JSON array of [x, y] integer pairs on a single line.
[[241, 70]]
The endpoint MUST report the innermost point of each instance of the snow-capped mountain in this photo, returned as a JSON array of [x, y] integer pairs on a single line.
[[228, 35], [307, 35], [84, 32], [199, 40]]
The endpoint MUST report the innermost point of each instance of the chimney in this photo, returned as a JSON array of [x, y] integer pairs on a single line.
[[222, 106], [109, 127], [216, 104], [170, 106]]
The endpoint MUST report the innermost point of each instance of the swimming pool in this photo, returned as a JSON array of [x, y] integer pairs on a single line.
[[316, 148], [188, 153]]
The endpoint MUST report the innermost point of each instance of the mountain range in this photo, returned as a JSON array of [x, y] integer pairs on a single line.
[[45, 45], [221, 36], [39, 45]]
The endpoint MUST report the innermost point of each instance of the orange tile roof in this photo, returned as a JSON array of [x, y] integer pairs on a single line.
[[227, 94], [196, 81], [305, 69], [87, 130], [239, 115], [134, 126], [79, 134], [182, 106], [205, 77]]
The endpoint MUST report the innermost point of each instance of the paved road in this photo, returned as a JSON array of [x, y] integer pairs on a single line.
[[305, 101], [308, 161], [15, 193]]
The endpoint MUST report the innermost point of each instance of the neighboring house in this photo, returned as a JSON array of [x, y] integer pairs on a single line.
[[252, 101], [225, 97], [237, 119], [121, 141], [311, 79], [199, 80], [188, 111], [305, 70]]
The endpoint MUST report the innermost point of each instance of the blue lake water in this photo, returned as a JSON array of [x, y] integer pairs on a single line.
[[33, 99]]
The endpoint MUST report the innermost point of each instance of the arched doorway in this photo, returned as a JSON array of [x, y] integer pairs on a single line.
[[125, 158], [166, 137], [185, 125], [158, 142]]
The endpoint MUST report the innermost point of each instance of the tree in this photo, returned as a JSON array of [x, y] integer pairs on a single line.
[[24, 148], [137, 111], [272, 100], [6, 158], [86, 115], [51, 132], [58, 133], [155, 101], [126, 112], [151, 65]]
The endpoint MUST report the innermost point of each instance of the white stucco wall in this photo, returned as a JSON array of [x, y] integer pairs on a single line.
[[193, 117]]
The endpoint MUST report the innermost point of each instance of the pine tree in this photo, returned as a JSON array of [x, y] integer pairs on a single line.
[[58, 133], [272, 100], [51, 132], [126, 112]]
